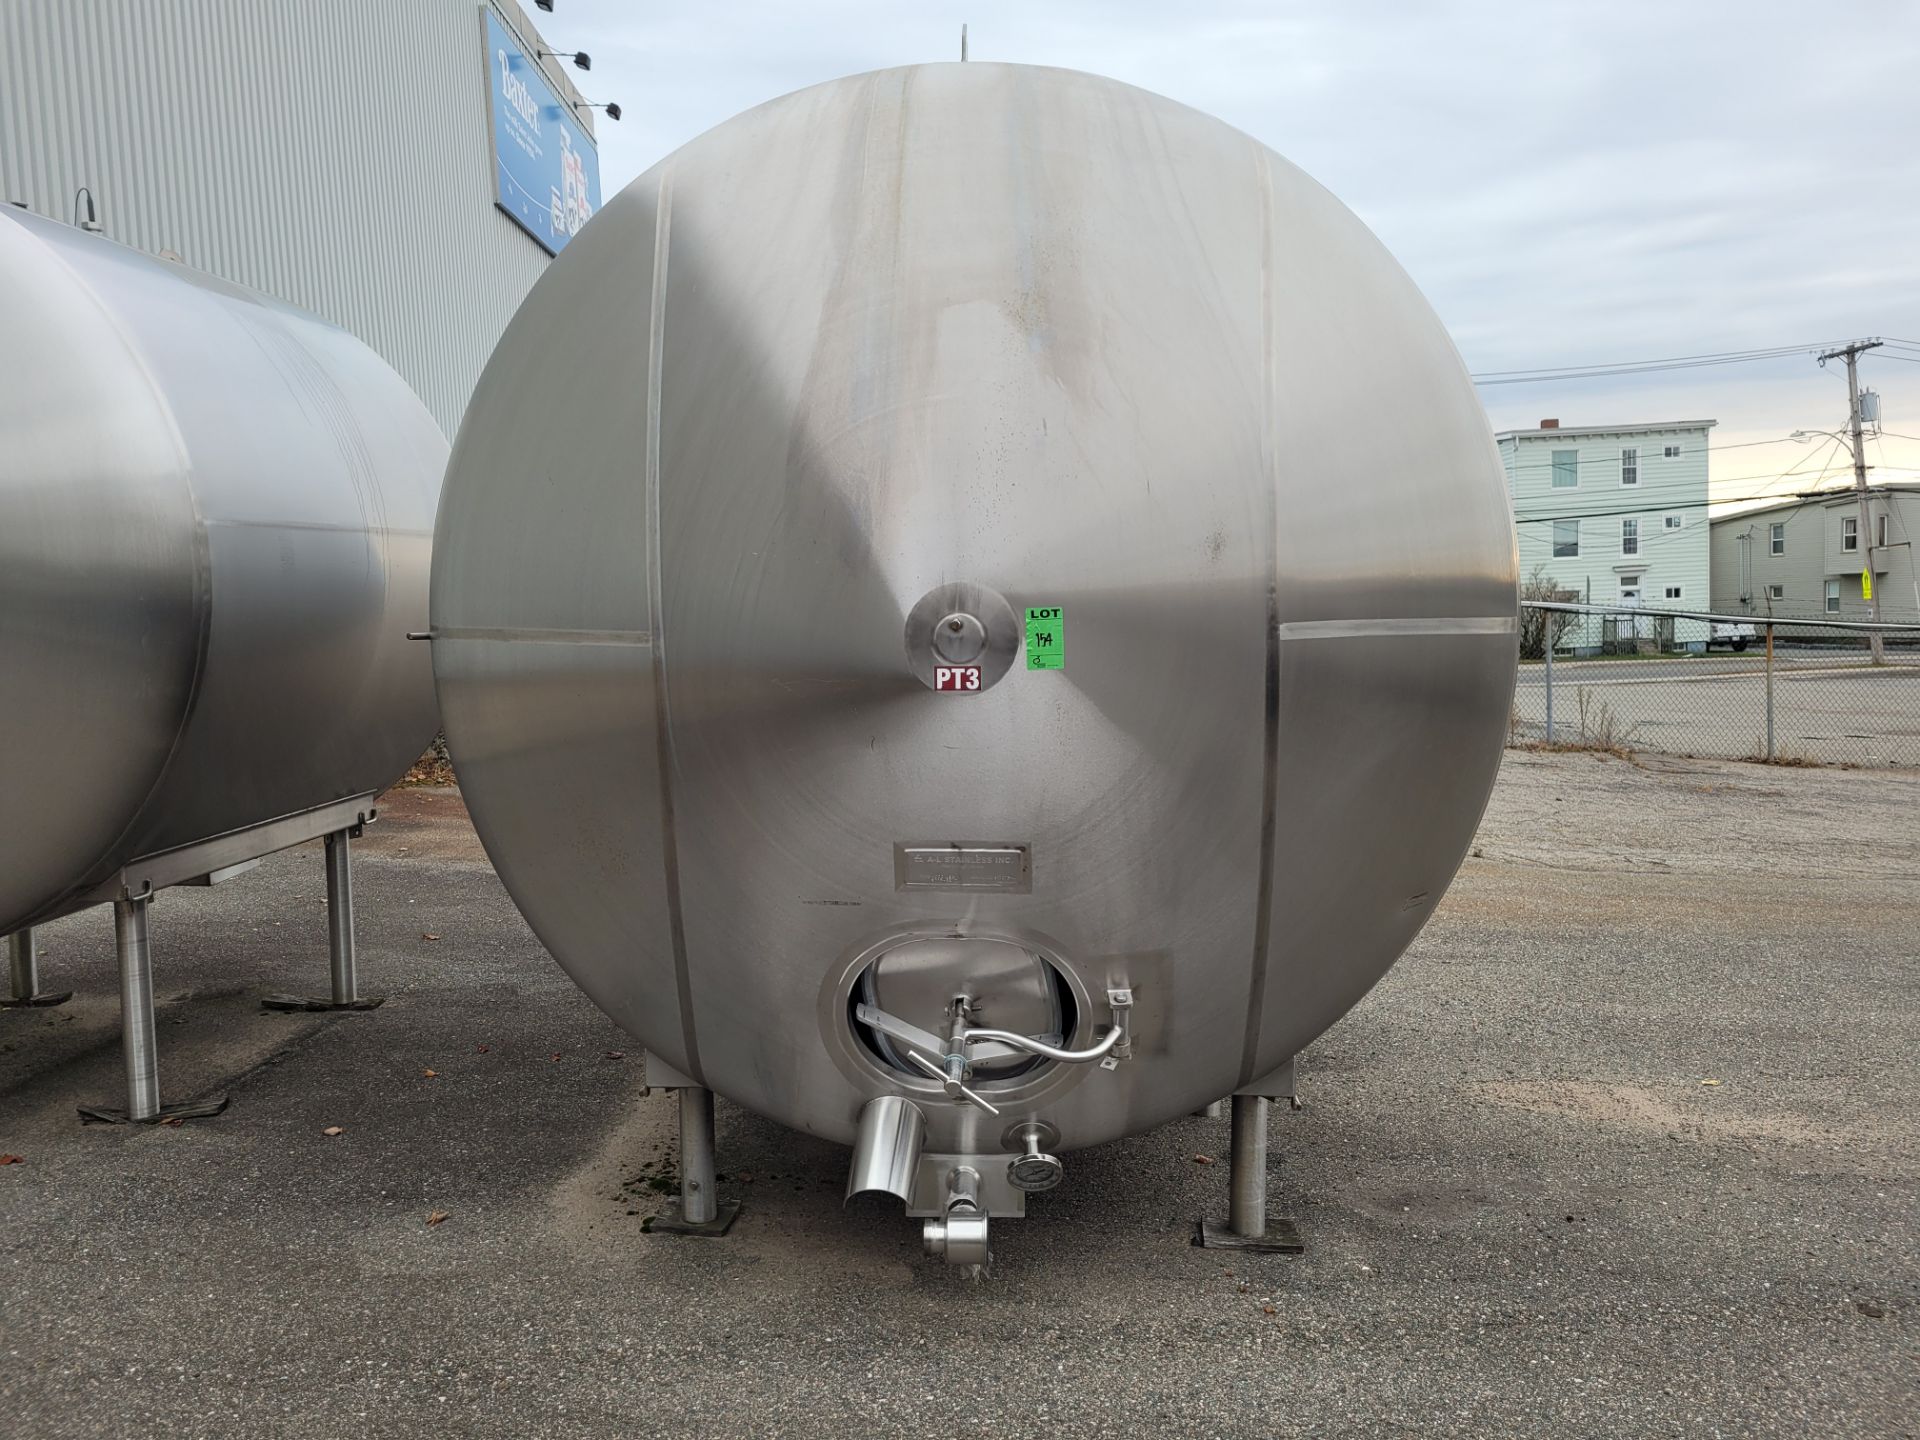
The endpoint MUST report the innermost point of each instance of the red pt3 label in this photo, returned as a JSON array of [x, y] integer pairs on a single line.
[[956, 677]]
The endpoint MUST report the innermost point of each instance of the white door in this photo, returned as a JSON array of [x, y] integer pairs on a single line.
[[1630, 597]]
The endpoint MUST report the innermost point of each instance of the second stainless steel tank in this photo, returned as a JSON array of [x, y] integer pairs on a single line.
[[215, 513]]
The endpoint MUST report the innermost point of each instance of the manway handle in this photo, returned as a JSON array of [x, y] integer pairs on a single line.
[[954, 1088], [1108, 1051]]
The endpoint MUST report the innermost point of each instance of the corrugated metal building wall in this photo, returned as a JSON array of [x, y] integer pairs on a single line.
[[335, 153]]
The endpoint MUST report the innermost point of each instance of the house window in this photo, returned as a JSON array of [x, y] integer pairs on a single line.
[[1776, 592], [1566, 469], [1850, 533], [1833, 597], [1672, 452], [1674, 522], [1880, 531], [1630, 465], [1566, 539], [1673, 592], [1779, 534], [1629, 537]]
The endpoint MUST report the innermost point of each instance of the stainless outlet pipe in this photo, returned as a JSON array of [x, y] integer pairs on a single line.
[[886, 1151]]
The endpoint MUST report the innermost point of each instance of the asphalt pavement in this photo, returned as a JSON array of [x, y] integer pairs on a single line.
[[1625, 1146]]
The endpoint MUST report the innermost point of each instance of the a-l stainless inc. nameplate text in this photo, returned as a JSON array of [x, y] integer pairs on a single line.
[[998, 867]]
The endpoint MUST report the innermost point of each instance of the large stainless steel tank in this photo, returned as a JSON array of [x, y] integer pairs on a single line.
[[1035, 385], [215, 513]]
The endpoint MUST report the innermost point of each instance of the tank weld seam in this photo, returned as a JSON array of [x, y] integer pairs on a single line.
[[538, 635], [101, 868], [1434, 625], [656, 604], [327, 526], [1262, 958]]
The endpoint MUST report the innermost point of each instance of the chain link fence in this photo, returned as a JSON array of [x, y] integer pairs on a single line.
[[1735, 687]]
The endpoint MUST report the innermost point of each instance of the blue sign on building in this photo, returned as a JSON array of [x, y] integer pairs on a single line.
[[546, 171]]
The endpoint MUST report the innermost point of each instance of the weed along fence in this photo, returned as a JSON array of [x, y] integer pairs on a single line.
[[1793, 691]]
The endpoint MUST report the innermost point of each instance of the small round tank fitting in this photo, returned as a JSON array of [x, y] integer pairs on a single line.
[[1034, 1169]]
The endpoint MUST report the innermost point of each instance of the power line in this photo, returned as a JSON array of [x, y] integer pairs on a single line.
[[1711, 449], [1544, 374], [1652, 503], [1656, 488], [1823, 457], [1647, 497], [1806, 497], [1641, 367], [1714, 357]]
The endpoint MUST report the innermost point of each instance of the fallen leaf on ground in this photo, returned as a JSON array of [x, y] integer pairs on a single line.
[[554, 1056], [437, 1216], [1203, 1159], [1268, 1310], [1709, 1082], [174, 1121], [481, 1049], [13, 1159], [428, 935], [333, 1130], [616, 1054], [431, 1074]]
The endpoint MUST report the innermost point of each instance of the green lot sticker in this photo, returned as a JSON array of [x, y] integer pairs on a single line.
[[1046, 637]]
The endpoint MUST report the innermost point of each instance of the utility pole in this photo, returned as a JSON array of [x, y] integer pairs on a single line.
[[1851, 353]]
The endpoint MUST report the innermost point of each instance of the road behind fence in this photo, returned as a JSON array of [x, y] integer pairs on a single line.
[[1800, 692]]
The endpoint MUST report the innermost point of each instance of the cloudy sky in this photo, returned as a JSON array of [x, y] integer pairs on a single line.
[[1570, 183]]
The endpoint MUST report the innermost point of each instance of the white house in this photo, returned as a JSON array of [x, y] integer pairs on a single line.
[[1616, 514]]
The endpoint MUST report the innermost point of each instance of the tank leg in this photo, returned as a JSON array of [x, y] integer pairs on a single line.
[[1210, 1112], [1247, 1182], [696, 1156], [138, 1049], [25, 992], [699, 1211], [341, 963], [1249, 1227]]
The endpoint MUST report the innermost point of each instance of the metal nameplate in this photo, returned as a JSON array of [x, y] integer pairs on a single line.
[[991, 867]]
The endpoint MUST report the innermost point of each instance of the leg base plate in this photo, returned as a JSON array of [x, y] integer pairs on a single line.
[[191, 1110], [1282, 1238], [35, 1002], [669, 1222], [317, 1003]]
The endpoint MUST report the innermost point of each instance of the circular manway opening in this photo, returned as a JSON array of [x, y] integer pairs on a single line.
[[1010, 988]]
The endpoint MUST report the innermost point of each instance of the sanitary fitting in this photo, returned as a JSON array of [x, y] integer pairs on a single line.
[[960, 1237], [1034, 1169]]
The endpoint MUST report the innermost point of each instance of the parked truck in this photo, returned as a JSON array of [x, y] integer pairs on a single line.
[[1732, 633]]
